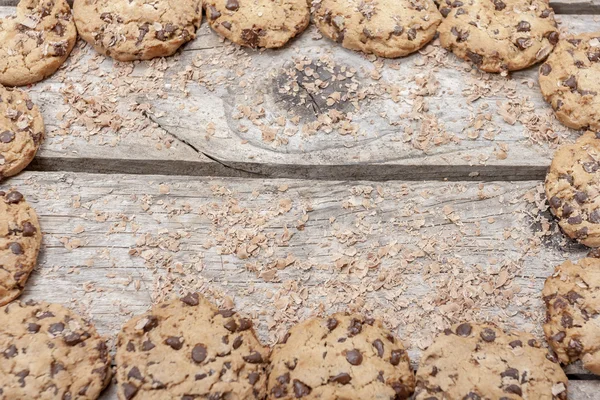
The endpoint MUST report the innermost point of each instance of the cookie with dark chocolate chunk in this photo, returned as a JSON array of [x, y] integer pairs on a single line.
[[569, 81], [342, 356], [481, 361], [20, 241], [49, 352], [572, 297], [258, 23], [188, 349], [36, 41], [128, 30], [21, 131], [499, 35], [572, 187]]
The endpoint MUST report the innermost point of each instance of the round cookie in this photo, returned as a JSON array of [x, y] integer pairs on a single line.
[[480, 361], [340, 357], [21, 131], [499, 35], [20, 241], [49, 352], [187, 349], [36, 41], [258, 23], [573, 187], [128, 30], [569, 81], [386, 28], [572, 297]]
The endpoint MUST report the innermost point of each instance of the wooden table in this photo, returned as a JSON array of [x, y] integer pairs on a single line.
[[423, 205]]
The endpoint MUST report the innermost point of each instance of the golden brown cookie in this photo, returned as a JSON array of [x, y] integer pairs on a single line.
[[20, 241], [187, 349], [569, 81], [36, 41], [572, 297], [258, 23], [49, 352], [386, 28], [343, 356], [499, 35], [573, 187], [481, 361], [21, 131], [128, 30]]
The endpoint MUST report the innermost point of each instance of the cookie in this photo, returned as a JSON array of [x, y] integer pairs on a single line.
[[499, 35], [21, 131], [480, 361], [128, 30], [49, 352], [569, 81], [36, 41], [572, 297], [187, 349], [572, 188], [340, 357], [386, 28], [20, 241], [258, 23]]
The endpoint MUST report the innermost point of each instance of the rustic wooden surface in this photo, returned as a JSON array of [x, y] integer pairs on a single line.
[[145, 191]]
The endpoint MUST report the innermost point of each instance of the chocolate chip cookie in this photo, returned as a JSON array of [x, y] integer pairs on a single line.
[[569, 81], [128, 30], [187, 349], [572, 188], [49, 352], [36, 41], [572, 297], [258, 23], [499, 35], [386, 28], [20, 241], [21, 131], [480, 361], [340, 357]]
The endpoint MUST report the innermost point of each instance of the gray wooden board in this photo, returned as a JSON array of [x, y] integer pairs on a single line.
[[436, 244], [168, 131]]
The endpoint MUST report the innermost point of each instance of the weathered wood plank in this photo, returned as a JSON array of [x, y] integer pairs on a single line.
[[181, 116], [418, 255]]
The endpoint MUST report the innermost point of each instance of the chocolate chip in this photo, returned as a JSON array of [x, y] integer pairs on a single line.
[[151, 323], [231, 326], [130, 346], [135, 374], [567, 210], [226, 25], [355, 327], [16, 248], [245, 324], [378, 344], [232, 5], [574, 42], [279, 392], [226, 313], [398, 30], [576, 220], [46, 314], [253, 377], [7, 137], [22, 375], [475, 58], [402, 391], [396, 357], [354, 357], [546, 13], [11, 351], [464, 330], [445, 11], [253, 358], [56, 328], [499, 5], [332, 323], [55, 368], [566, 321], [553, 38], [523, 26], [237, 342], [559, 337], [575, 348], [545, 69], [523, 43], [191, 299], [28, 229], [411, 34], [594, 217], [571, 82], [199, 353], [175, 342], [461, 36], [581, 197], [342, 379], [251, 37], [284, 379], [488, 335], [516, 343], [73, 339], [594, 57], [13, 197], [147, 345], [33, 328], [301, 389], [510, 373], [214, 13], [533, 343], [129, 390]]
